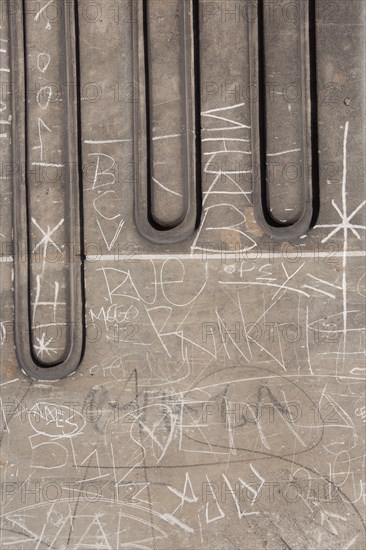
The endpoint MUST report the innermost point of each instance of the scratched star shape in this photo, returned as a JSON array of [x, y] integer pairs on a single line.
[[43, 346], [345, 225]]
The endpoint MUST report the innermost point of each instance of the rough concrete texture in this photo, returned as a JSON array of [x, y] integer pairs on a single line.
[[220, 403]]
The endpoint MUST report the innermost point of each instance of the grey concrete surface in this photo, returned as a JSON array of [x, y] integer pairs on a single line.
[[220, 403]]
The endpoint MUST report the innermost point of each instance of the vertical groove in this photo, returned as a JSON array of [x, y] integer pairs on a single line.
[[148, 226], [75, 316], [310, 170]]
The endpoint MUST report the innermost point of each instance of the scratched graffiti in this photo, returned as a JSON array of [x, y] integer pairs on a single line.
[[221, 399]]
